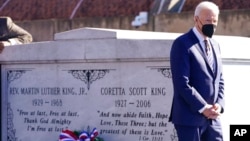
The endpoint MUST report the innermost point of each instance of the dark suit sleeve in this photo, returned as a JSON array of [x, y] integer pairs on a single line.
[[220, 99], [17, 33], [180, 68]]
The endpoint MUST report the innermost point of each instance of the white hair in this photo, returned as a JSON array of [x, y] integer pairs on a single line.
[[206, 5]]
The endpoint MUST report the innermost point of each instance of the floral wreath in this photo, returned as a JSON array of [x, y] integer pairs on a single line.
[[68, 135]]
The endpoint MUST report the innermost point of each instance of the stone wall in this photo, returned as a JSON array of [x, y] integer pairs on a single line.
[[233, 23], [118, 81]]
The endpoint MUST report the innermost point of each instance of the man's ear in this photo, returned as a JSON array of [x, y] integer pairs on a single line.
[[196, 18]]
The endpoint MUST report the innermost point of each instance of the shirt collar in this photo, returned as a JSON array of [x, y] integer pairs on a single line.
[[198, 35]]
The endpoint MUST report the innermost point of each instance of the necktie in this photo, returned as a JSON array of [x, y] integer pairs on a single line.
[[209, 54]]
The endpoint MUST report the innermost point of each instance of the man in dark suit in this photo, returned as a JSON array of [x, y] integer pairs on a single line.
[[197, 78], [12, 34]]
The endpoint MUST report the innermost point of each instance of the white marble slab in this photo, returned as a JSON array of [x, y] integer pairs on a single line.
[[118, 81]]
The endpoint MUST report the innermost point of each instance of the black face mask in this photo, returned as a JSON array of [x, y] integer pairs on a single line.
[[207, 29]]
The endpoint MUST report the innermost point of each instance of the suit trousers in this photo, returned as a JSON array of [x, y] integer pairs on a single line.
[[206, 132]]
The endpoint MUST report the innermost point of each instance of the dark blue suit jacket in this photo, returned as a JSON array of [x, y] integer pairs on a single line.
[[195, 84]]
